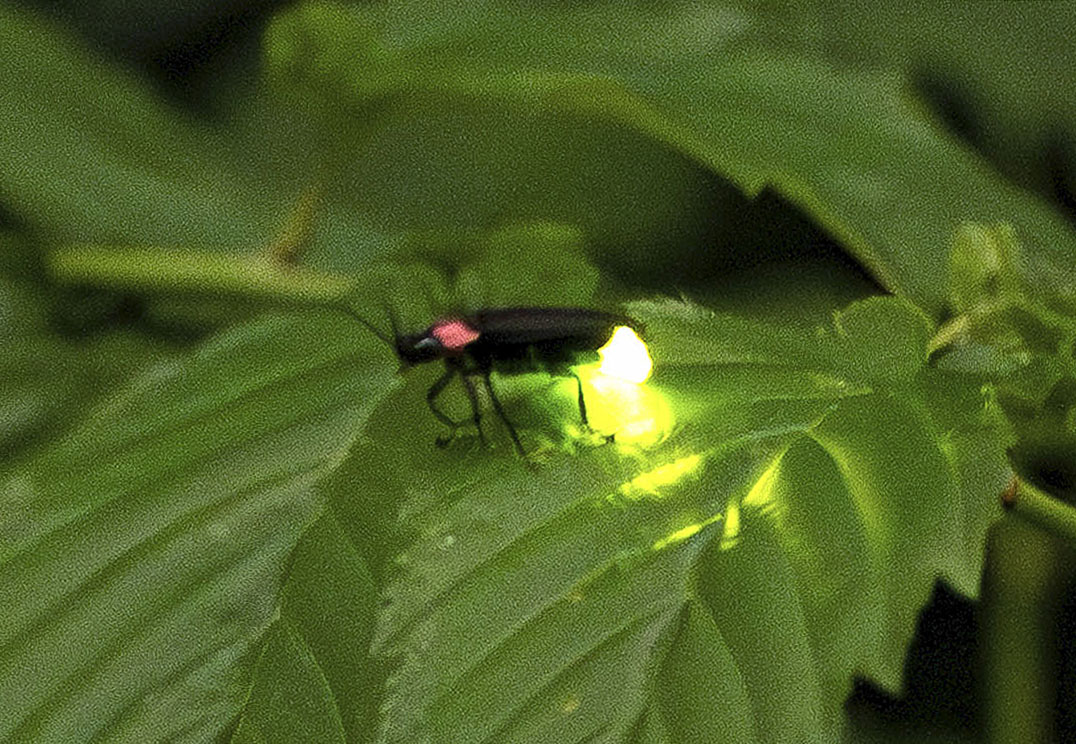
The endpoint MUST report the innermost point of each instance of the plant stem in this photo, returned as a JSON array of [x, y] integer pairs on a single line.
[[1042, 510], [202, 272]]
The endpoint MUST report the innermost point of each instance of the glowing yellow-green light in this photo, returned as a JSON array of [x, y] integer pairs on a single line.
[[730, 536], [638, 415], [618, 404], [761, 494], [684, 533], [660, 477], [760, 498], [625, 356]]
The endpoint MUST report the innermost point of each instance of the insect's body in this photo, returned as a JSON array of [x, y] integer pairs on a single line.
[[521, 339], [513, 340]]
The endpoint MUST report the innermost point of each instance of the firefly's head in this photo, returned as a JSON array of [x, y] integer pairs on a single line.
[[444, 338], [418, 348]]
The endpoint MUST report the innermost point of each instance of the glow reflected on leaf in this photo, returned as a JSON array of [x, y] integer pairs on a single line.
[[618, 404], [636, 415], [761, 495], [652, 482], [760, 498], [731, 534], [684, 533]]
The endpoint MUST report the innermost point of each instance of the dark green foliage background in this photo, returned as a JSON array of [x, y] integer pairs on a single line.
[[849, 234]]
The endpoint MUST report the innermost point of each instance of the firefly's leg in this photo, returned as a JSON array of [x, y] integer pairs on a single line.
[[431, 400], [500, 412], [583, 409], [475, 415], [582, 403]]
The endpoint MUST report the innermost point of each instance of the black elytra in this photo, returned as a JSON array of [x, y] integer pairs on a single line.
[[508, 340]]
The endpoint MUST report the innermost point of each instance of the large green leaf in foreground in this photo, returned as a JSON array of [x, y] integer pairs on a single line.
[[724, 585], [141, 556]]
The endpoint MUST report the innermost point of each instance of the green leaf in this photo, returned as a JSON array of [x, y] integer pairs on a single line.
[[532, 264], [50, 381], [701, 690], [35, 366], [727, 583], [290, 700], [813, 518], [141, 556], [980, 264], [114, 163], [322, 651], [843, 145], [1016, 330], [749, 587]]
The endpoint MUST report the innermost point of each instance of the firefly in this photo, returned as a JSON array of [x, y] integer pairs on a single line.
[[519, 340]]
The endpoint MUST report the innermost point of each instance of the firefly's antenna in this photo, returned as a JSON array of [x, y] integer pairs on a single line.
[[394, 323], [348, 310]]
